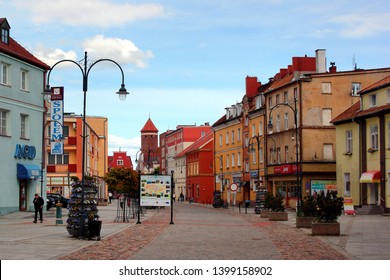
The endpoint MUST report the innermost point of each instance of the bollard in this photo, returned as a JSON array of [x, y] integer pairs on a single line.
[[59, 214]]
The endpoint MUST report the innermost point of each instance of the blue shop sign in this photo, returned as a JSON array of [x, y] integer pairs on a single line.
[[25, 151]]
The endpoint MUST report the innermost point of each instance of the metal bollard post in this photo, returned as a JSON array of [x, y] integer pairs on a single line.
[[59, 214]]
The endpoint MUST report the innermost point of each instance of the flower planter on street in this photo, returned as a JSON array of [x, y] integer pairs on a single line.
[[304, 222], [277, 216], [324, 228]]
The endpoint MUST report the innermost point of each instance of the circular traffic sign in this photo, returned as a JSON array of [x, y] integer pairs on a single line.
[[233, 187]]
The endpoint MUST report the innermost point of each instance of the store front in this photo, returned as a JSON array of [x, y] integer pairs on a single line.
[[372, 181], [28, 175]]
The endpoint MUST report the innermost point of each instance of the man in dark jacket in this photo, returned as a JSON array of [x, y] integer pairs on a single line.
[[38, 206]]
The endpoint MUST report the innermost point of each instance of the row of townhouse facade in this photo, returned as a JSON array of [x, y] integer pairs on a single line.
[[363, 153], [280, 136]]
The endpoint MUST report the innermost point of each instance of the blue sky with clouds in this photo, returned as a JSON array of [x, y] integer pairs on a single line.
[[185, 61]]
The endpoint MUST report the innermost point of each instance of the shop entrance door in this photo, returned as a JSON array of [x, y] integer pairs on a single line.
[[23, 195]]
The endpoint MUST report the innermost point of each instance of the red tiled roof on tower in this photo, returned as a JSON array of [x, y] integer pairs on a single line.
[[149, 127]]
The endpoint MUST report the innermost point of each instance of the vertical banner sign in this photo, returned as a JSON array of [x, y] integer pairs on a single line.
[[155, 190], [57, 120]]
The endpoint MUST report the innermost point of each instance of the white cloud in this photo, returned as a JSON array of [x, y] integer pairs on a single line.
[[131, 146], [359, 26], [102, 13], [51, 56], [121, 50]]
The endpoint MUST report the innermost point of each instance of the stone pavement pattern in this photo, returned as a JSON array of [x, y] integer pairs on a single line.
[[199, 232], [202, 233]]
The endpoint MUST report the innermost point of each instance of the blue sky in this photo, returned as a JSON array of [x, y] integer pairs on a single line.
[[185, 61]]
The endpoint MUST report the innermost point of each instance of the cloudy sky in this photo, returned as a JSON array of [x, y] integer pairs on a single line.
[[185, 61]]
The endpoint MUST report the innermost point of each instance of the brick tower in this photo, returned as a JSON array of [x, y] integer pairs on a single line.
[[149, 147]]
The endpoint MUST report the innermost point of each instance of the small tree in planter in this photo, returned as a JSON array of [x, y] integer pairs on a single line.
[[309, 211], [277, 212], [330, 207], [267, 204]]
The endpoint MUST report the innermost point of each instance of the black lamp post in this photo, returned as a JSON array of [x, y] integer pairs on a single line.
[[85, 70], [258, 140], [270, 127], [222, 184]]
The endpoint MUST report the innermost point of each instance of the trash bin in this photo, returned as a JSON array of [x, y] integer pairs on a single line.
[[247, 203], [94, 228]]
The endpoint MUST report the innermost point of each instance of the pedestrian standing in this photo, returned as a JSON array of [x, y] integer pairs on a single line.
[[38, 207], [110, 197]]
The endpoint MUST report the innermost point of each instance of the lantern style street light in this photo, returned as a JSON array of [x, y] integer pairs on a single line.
[[85, 70], [259, 139]]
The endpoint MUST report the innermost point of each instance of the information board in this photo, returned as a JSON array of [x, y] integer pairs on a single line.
[[155, 190]]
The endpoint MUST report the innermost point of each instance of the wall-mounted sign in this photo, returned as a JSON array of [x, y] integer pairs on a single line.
[[155, 190], [57, 120], [25, 151]]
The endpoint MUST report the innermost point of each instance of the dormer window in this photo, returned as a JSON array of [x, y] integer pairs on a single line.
[[4, 31]]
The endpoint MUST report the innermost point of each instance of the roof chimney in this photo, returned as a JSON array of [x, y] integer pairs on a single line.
[[251, 86], [321, 61]]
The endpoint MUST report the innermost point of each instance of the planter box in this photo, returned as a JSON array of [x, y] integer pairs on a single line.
[[264, 214], [304, 222], [318, 228], [277, 216]]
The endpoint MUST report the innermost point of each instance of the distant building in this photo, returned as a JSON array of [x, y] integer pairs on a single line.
[[148, 156], [119, 159], [22, 111], [61, 168]]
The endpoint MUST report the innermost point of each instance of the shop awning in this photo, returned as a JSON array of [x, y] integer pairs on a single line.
[[28, 171], [371, 177]]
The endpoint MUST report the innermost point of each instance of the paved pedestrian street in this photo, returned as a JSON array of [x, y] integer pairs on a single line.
[[199, 232]]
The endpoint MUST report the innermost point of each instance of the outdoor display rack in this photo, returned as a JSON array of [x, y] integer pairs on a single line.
[[92, 225]]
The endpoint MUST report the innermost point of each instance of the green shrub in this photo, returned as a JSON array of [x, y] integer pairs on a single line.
[[330, 206]]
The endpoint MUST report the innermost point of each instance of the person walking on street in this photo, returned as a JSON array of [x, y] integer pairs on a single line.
[[38, 206], [109, 197]]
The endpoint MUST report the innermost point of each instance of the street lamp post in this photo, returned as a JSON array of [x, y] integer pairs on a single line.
[[222, 178], [270, 127], [258, 139], [85, 70]]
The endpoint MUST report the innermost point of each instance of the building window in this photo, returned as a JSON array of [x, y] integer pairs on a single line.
[[347, 184], [220, 140], [260, 128], [24, 81], [270, 104], [355, 89], [119, 162], [227, 138], [4, 72], [372, 100], [374, 137], [278, 155], [348, 142], [286, 154], [271, 155], [285, 121], [3, 122], [278, 123], [259, 102], [285, 97], [232, 136], [328, 151], [59, 159], [253, 130], [24, 126], [227, 161], [254, 156], [261, 154], [326, 88], [239, 159], [326, 116], [277, 98], [239, 134], [295, 93], [5, 35], [233, 160]]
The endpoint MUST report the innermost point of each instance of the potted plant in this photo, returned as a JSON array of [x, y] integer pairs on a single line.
[[329, 208], [277, 210], [308, 212], [267, 205]]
